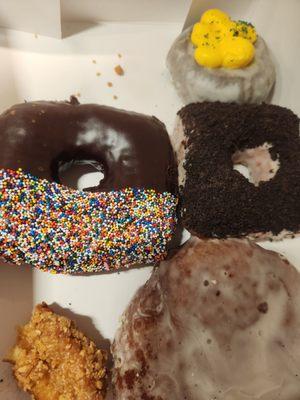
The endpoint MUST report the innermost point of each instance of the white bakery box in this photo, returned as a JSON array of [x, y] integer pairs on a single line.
[[51, 49]]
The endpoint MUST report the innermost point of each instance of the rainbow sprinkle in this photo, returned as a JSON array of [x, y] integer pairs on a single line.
[[62, 230]]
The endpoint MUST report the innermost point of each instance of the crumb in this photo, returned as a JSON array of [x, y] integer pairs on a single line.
[[119, 55], [98, 73], [115, 97], [70, 304], [119, 70], [109, 84], [78, 94], [1, 380], [94, 61], [53, 360], [33, 121], [36, 35]]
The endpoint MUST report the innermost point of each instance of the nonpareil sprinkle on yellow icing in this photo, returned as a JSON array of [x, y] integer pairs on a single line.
[[221, 42]]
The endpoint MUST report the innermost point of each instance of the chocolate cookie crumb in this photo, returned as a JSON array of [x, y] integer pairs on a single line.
[[218, 201]]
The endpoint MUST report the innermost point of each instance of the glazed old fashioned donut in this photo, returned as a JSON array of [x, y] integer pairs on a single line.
[[217, 200], [127, 220], [218, 59]]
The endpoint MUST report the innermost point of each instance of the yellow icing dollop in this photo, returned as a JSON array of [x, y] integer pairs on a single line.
[[221, 42]]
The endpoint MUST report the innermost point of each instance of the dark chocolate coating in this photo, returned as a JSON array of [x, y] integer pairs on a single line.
[[133, 149]]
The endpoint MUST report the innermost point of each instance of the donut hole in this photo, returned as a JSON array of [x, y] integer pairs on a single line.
[[256, 164], [81, 174]]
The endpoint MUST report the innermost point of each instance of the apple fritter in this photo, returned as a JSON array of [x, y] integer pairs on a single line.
[[53, 360]]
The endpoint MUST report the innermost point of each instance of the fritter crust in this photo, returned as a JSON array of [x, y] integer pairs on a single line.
[[53, 360]]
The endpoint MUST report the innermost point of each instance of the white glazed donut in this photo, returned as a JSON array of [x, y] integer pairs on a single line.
[[195, 83], [219, 321]]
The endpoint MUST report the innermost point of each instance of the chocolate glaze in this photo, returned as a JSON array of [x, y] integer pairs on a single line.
[[44, 137]]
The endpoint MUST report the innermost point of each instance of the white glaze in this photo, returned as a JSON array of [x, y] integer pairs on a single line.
[[195, 83], [259, 163], [199, 345]]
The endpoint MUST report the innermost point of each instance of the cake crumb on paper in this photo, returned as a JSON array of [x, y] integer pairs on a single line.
[[119, 70], [119, 55], [94, 61], [115, 97], [109, 84], [98, 73]]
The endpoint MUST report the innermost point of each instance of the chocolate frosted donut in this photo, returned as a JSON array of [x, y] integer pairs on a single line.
[[218, 201], [43, 138], [128, 219]]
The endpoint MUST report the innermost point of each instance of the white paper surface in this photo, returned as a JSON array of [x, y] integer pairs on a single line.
[[124, 10], [44, 68], [41, 17], [45, 17]]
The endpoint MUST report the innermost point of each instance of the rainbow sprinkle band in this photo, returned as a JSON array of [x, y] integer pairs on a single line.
[[62, 230]]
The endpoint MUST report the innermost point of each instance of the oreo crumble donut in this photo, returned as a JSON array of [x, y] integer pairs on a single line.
[[128, 219], [218, 201]]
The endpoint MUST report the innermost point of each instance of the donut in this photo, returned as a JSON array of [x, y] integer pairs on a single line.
[[217, 200], [127, 220], [218, 321], [61, 230], [52, 359], [43, 138], [218, 59]]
